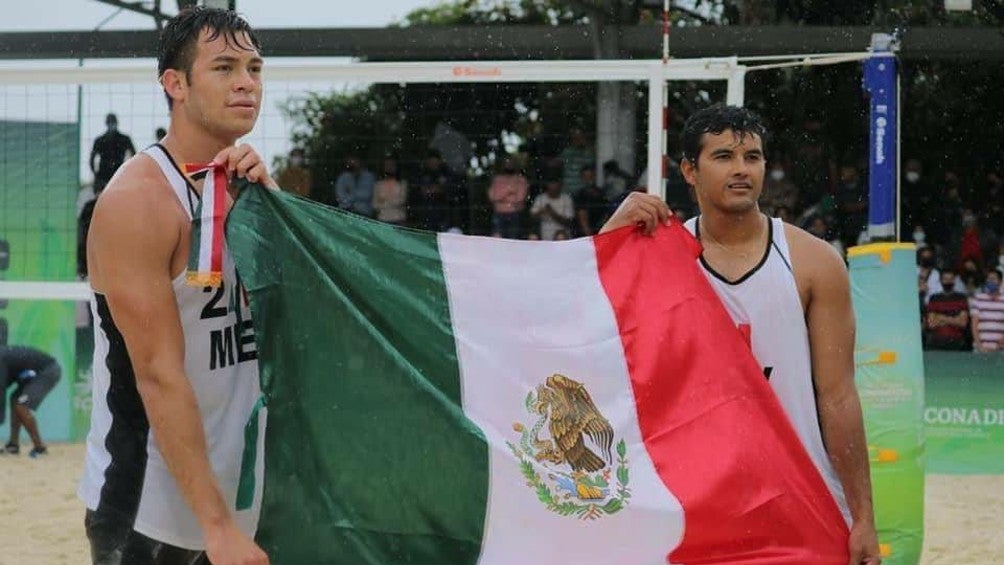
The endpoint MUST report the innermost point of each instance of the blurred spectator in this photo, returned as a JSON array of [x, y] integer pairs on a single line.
[[778, 189], [927, 270], [813, 164], [971, 276], [507, 194], [573, 157], [915, 198], [553, 208], [987, 312], [970, 248], [852, 204], [390, 194], [453, 146], [110, 150], [919, 235], [354, 187], [784, 213], [295, 177], [993, 197], [615, 180], [942, 218], [429, 196], [591, 205], [560, 235], [946, 325], [819, 227]]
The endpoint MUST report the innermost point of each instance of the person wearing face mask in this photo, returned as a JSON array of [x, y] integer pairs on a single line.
[[916, 197], [296, 177], [969, 247], [987, 312], [852, 204], [779, 191], [508, 193]]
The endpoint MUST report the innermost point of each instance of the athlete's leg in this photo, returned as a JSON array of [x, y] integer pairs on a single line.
[[31, 397], [15, 423]]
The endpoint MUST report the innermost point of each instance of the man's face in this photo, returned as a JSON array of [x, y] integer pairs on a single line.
[[993, 279], [947, 281], [553, 188], [224, 90], [729, 171], [588, 177]]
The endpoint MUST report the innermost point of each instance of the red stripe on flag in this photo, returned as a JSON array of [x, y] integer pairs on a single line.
[[719, 439]]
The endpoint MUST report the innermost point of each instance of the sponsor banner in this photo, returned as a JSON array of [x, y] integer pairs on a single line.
[[964, 412]]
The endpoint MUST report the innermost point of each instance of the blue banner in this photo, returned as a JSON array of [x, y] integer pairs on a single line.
[[880, 82]]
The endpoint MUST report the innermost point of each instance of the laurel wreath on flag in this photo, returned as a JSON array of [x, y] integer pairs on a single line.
[[564, 505]]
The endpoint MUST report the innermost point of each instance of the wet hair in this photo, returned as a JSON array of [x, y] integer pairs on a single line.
[[715, 120], [178, 40]]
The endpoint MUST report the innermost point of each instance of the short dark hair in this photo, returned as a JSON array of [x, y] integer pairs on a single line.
[[714, 120], [176, 47]]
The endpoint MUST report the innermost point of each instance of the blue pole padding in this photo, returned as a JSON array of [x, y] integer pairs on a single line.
[[883, 157]]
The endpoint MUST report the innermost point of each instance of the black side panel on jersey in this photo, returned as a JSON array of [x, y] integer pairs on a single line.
[[127, 437]]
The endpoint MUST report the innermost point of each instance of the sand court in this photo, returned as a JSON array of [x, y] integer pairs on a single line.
[[43, 522]]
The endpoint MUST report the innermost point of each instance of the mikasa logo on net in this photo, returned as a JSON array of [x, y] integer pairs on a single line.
[[477, 71]]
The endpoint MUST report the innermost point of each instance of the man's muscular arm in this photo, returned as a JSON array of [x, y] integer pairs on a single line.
[[132, 241], [830, 321]]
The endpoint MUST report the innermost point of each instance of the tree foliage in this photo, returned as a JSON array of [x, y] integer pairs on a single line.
[[950, 112]]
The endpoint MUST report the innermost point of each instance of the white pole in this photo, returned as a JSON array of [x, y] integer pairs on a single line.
[[736, 94], [656, 87]]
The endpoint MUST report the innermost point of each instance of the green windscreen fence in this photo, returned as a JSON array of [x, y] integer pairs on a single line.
[[39, 170], [889, 373]]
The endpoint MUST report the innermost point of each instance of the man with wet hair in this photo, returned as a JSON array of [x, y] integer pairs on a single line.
[[175, 374], [788, 293]]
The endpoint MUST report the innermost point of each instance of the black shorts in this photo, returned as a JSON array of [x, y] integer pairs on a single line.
[[31, 392], [115, 542]]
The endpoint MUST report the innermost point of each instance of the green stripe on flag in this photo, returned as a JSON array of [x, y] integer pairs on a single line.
[[350, 459]]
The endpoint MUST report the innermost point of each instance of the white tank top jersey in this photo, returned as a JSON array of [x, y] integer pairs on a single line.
[[766, 306], [124, 470]]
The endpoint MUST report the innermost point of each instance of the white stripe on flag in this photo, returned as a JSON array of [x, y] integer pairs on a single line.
[[531, 310], [206, 224]]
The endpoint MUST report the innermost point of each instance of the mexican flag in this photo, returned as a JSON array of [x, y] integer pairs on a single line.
[[447, 399]]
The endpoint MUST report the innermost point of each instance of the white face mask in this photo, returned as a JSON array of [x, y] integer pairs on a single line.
[[777, 174], [912, 176]]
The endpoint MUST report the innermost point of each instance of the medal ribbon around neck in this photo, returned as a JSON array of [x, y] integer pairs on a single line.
[[205, 258]]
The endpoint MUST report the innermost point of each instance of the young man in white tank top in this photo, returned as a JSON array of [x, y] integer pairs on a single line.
[[167, 426], [788, 293]]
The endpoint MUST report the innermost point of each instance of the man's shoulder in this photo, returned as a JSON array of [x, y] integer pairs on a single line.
[[809, 247], [138, 185], [813, 260]]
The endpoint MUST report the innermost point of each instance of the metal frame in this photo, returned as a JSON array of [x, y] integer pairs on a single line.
[[655, 72]]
